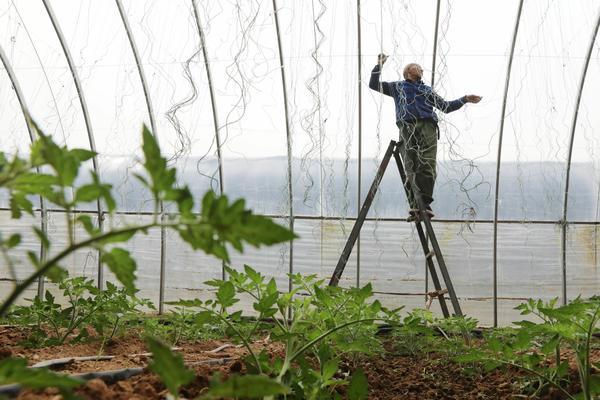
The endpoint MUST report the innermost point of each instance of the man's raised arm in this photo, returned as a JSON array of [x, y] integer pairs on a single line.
[[449, 106], [374, 82]]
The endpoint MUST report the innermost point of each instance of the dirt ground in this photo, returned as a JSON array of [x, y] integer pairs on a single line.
[[390, 376]]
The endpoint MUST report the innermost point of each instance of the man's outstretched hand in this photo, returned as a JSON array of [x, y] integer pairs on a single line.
[[472, 98], [381, 59]]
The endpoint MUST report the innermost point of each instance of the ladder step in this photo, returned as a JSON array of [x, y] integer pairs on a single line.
[[430, 254]]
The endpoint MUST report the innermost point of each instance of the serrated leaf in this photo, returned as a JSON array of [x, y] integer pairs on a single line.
[[88, 225], [121, 263], [358, 389], [258, 230], [226, 294], [82, 154], [57, 273], [86, 193], [18, 204], [168, 366], [34, 183], [246, 386], [162, 177], [185, 303]]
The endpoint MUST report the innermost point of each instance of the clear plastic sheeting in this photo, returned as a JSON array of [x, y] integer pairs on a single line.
[[206, 76]]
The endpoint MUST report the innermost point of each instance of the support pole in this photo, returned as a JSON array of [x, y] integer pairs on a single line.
[[499, 159], [148, 99], [435, 43], [288, 134], [25, 111], [86, 118], [359, 188], [213, 106], [563, 241], [433, 67]]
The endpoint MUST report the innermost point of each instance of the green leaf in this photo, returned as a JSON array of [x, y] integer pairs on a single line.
[[34, 183], [18, 204], [15, 370], [121, 263], [42, 236], [258, 230], [595, 384], [162, 177], [119, 237], [89, 192], [185, 303], [168, 366], [57, 273], [246, 386], [88, 225], [13, 241], [226, 294], [82, 154], [359, 386], [329, 369]]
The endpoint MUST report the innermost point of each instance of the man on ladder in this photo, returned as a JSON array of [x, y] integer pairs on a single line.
[[419, 131]]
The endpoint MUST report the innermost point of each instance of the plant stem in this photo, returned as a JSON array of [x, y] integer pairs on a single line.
[[237, 332], [43, 269], [329, 332], [531, 371]]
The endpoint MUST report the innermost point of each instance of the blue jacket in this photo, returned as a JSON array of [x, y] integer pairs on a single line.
[[414, 100]]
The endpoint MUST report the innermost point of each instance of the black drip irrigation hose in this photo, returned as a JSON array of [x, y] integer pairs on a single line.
[[68, 360], [110, 376]]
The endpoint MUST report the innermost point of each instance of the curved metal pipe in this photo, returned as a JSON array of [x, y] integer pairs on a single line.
[[142, 75], [37, 55], [213, 105], [86, 118], [138, 64], [211, 91], [288, 139], [433, 64], [359, 183], [563, 242], [435, 44], [499, 158], [26, 116]]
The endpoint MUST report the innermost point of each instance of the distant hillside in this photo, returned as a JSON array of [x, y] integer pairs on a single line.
[[528, 190]]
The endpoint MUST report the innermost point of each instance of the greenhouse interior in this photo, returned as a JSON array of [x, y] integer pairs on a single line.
[[132, 129]]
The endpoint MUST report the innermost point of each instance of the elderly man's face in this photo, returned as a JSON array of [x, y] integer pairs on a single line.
[[415, 72]]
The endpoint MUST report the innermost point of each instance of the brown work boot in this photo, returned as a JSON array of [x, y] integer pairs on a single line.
[[429, 212], [413, 215]]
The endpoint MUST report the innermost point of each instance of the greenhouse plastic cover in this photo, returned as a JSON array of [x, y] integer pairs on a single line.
[[269, 100]]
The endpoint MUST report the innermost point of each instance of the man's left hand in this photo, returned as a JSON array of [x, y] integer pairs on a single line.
[[472, 98]]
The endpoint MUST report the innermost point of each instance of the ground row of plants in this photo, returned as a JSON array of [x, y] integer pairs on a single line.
[[324, 333]]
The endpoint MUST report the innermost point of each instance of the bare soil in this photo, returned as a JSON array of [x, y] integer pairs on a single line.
[[390, 376]]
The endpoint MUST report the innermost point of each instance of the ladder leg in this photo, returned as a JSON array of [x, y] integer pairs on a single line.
[[440, 258], [432, 271], [434, 243], [423, 240], [339, 269]]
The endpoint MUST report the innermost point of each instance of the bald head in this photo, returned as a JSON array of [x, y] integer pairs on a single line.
[[413, 72]]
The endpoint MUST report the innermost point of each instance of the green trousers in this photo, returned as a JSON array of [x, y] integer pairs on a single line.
[[418, 149]]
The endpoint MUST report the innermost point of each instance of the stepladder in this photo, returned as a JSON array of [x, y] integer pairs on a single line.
[[435, 264]]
